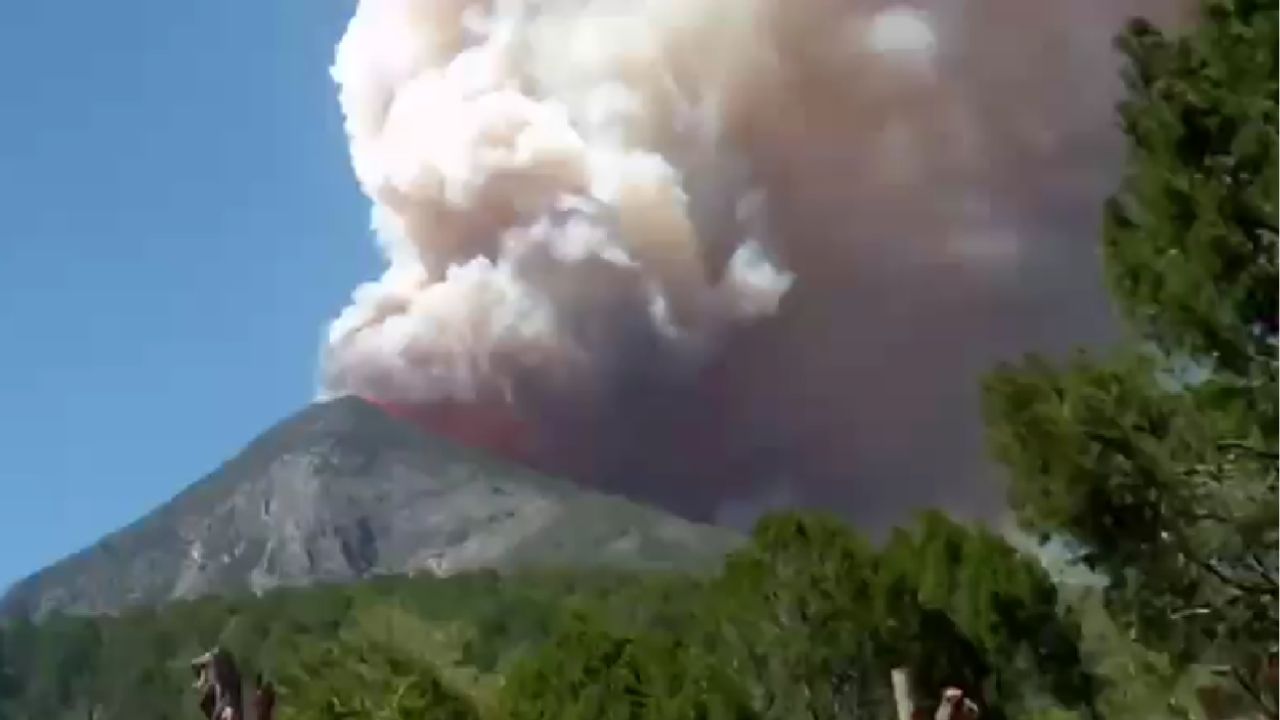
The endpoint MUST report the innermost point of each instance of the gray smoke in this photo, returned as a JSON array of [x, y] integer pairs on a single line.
[[583, 203]]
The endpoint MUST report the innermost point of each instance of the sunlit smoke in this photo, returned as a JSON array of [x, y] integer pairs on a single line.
[[901, 30], [582, 191], [533, 168]]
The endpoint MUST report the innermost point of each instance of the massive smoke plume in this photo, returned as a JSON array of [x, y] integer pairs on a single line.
[[527, 163], [591, 211]]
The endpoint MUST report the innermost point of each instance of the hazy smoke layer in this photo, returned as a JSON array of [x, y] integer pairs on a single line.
[[575, 190], [531, 166], [937, 222]]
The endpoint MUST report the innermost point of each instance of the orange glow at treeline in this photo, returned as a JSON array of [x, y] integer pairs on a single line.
[[490, 427]]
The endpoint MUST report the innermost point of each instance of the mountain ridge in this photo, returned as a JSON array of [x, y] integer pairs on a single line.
[[341, 491]]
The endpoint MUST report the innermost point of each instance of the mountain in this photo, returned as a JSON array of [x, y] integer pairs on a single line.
[[341, 491]]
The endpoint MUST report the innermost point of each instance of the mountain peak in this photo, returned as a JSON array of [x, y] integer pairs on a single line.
[[343, 490]]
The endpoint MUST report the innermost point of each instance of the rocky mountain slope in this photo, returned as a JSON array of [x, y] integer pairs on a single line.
[[342, 491]]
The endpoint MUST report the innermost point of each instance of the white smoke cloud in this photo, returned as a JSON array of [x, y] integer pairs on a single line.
[[552, 179], [515, 152]]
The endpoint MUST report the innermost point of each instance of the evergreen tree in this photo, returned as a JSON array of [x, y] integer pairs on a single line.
[[350, 679], [815, 619], [1158, 463], [797, 618], [964, 608], [588, 672], [8, 675]]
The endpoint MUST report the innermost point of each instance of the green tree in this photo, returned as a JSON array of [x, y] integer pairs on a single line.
[[360, 679], [816, 619], [58, 660], [8, 675], [588, 672], [1158, 464], [796, 614], [962, 607]]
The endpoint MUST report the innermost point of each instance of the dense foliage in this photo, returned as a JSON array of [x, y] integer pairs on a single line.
[[806, 621], [135, 665], [1154, 469], [1158, 464]]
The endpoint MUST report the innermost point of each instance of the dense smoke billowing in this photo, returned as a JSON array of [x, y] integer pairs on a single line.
[[527, 167], [721, 251]]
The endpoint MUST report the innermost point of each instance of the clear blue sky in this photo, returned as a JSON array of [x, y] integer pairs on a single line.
[[177, 222]]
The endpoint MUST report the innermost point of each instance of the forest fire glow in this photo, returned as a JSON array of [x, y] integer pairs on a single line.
[[490, 427]]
